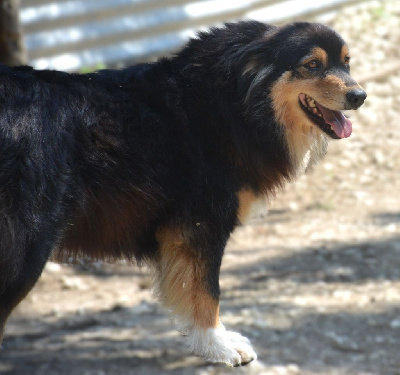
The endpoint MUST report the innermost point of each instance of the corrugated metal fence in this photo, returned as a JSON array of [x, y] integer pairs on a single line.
[[77, 34]]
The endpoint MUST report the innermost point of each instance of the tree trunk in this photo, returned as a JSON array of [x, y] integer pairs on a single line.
[[12, 50]]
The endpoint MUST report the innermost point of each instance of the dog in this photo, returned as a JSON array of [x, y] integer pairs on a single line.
[[159, 162]]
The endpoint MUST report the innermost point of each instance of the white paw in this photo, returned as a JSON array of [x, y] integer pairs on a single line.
[[219, 345]]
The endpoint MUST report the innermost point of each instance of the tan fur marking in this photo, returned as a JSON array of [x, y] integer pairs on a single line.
[[337, 85], [246, 200], [316, 54], [181, 281], [344, 53], [320, 55], [302, 134], [329, 92]]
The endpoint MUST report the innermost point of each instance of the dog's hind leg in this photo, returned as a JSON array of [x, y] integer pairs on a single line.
[[20, 268], [187, 284]]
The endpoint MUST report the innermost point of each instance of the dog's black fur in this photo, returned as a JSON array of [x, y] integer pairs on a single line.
[[148, 162]]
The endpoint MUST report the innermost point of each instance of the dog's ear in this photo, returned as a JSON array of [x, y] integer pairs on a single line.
[[256, 63], [254, 59]]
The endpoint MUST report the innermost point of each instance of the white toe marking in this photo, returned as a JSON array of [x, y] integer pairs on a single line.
[[219, 345]]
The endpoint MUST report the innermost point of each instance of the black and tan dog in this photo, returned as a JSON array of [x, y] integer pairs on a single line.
[[159, 162]]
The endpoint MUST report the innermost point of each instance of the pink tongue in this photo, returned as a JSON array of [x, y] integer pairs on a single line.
[[341, 125]]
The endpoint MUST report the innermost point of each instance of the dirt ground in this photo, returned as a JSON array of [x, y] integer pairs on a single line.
[[314, 284]]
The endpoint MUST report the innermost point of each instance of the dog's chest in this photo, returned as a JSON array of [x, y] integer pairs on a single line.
[[250, 204]]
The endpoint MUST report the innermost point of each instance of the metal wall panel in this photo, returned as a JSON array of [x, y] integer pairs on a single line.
[[73, 35]]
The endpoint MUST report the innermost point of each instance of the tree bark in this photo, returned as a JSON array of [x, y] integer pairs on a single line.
[[12, 49]]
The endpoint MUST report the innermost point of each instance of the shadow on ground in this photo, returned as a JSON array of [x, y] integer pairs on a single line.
[[327, 310]]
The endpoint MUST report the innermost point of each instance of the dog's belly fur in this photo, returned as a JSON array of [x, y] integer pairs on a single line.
[[110, 229]]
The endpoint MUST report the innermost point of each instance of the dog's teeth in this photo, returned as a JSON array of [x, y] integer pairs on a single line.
[[312, 103]]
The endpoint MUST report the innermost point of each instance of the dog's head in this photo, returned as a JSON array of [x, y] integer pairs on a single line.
[[307, 67]]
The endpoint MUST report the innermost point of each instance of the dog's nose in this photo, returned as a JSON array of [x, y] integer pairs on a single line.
[[356, 97]]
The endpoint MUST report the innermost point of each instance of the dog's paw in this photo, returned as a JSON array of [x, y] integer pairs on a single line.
[[242, 345], [221, 346]]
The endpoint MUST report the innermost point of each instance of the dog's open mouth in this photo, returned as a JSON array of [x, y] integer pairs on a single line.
[[333, 123]]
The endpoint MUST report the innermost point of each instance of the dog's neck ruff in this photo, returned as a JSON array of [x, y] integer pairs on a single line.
[[307, 145]]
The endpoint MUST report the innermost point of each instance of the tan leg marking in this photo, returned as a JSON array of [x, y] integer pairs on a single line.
[[181, 279], [182, 287]]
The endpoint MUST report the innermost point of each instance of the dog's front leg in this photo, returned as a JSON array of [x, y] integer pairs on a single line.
[[187, 284]]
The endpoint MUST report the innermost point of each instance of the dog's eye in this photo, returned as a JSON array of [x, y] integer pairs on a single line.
[[347, 60], [313, 65]]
